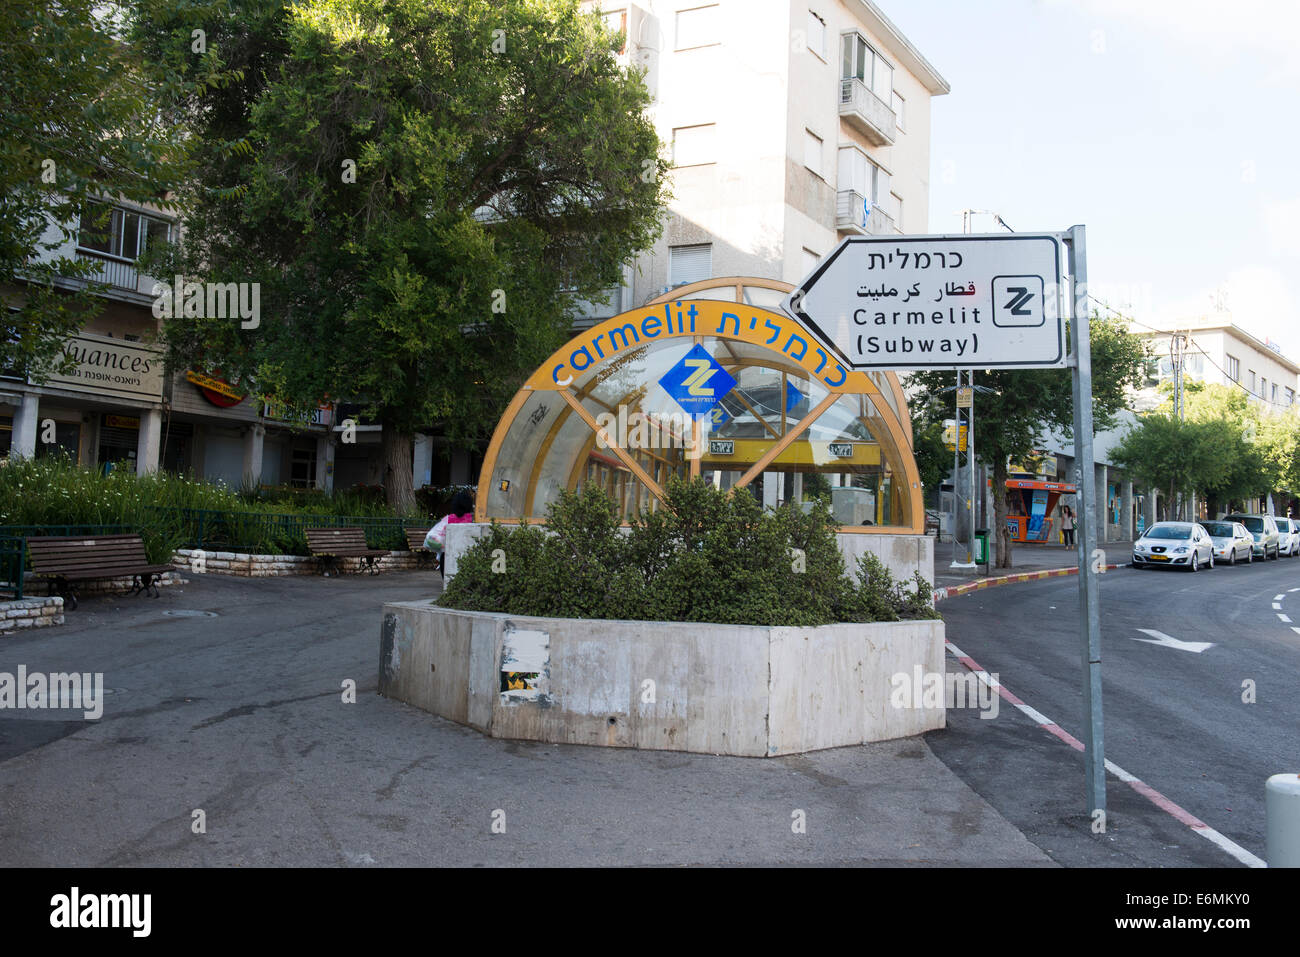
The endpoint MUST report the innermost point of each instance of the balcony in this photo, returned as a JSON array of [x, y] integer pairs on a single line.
[[110, 270], [854, 213], [867, 113]]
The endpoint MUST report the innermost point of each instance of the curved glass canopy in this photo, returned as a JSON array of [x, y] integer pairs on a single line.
[[710, 381]]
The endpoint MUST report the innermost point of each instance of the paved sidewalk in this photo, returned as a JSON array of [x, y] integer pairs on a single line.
[[1024, 559]]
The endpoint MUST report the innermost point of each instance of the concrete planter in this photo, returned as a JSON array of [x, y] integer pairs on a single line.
[[674, 686]]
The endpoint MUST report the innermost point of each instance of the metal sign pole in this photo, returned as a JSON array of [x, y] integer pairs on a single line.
[[956, 465], [1094, 754], [970, 464]]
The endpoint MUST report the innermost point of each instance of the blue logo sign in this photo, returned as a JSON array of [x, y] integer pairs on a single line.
[[697, 383]]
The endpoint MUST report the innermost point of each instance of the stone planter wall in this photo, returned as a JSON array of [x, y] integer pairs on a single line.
[[101, 586], [677, 686], [243, 565], [16, 616]]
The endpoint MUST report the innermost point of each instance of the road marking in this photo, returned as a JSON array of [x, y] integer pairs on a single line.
[[1296, 630], [1278, 597], [1284, 618], [1160, 638], [1137, 784], [1277, 606], [1293, 589]]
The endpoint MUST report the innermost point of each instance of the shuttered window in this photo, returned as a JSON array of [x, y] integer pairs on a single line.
[[689, 263]]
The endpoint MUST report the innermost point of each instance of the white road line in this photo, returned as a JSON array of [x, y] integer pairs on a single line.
[[1284, 618], [1293, 589], [1194, 824], [1278, 597], [1296, 630], [1277, 606]]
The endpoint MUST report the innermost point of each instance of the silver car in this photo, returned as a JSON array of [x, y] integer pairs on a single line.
[[1288, 530], [1178, 544], [1263, 528], [1232, 543]]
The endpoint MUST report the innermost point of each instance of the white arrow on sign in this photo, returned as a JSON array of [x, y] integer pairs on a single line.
[[1160, 638], [937, 302]]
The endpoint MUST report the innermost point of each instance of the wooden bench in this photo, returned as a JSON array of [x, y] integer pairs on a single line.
[[68, 559], [426, 556], [329, 545]]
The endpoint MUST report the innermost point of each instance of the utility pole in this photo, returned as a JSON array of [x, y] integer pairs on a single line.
[[1177, 355]]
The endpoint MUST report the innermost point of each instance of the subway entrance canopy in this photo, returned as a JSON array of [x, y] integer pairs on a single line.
[[709, 380]]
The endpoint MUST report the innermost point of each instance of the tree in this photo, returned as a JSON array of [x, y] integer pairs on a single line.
[[1024, 403], [428, 187], [1182, 456], [79, 119]]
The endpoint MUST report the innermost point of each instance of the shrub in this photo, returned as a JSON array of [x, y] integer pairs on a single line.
[[707, 556]]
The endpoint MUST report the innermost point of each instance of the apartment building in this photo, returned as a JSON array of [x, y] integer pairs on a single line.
[[1214, 350], [790, 124], [120, 407]]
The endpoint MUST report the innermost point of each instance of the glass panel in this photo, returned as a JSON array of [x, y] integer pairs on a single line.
[[158, 233], [130, 235], [882, 82], [765, 298]]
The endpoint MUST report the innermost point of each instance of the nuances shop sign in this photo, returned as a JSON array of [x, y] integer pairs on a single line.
[[112, 367]]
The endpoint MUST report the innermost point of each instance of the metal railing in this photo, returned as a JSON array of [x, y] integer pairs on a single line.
[[111, 271]]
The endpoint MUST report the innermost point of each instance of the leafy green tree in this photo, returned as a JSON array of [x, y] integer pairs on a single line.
[[1180, 457], [421, 188], [933, 458], [1024, 403], [80, 118]]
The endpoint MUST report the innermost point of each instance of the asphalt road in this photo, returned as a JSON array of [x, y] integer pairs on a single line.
[[1174, 717], [238, 712]]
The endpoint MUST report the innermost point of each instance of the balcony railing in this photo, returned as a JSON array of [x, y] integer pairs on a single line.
[[111, 270], [867, 113], [855, 213]]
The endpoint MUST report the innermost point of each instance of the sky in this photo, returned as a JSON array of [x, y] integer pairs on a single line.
[[1170, 128]]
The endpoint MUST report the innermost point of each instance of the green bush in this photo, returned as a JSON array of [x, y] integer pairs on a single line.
[[55, 491], [708, 556]]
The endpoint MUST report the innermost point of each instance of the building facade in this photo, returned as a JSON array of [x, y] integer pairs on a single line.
[[789, 125]]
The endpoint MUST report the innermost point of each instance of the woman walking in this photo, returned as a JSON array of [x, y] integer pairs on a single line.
[[1067, 525]]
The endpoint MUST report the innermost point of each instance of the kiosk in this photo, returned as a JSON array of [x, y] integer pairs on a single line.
[[1029, 502]]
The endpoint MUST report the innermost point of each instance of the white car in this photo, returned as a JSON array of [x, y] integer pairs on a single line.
[[1177, 544], [1232, 542], [1288, 530]]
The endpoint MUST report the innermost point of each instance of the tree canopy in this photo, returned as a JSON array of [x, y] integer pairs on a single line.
[[1022, 404], [79, 119], [421, 188]]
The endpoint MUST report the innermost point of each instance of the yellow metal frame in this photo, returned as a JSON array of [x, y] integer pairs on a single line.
[[678, 315]]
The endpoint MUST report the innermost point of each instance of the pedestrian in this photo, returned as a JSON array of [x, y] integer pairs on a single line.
[[460, 511], [1067, 525]]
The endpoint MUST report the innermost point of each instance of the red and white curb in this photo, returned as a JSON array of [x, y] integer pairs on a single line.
[[1151, 794], [952, 592]]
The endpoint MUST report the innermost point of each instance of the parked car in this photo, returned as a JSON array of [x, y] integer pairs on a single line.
[[1232, 542], [1182, 544], [1263, 528], [1289, 530]]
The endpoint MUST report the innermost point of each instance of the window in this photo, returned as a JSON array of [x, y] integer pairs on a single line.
[[120, 232], [616, 22], [1234, 368], [858, 173], [816, 34], [1273, 394], [810, 260], [1250, 379], [897, 211], [1263, 388], [1290, 396], [812, 151], [689, 263], [697, 27], [858, 60], [694, 145], [900, 109]]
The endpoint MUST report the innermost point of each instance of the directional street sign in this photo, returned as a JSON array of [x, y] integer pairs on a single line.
[[938, 302]]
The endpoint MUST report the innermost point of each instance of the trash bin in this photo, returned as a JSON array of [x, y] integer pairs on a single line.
[[981, 548]]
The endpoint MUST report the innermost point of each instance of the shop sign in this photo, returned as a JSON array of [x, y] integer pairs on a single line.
[[111, 367]]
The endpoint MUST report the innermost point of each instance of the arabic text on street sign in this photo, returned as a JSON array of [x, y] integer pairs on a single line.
[[925, 302]]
